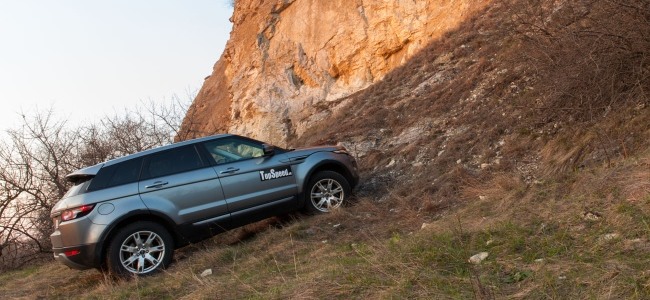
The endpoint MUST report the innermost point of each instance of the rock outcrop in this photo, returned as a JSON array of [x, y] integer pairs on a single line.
[[286, 60]]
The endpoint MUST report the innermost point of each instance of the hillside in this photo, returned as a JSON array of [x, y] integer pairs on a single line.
[[522, 131]]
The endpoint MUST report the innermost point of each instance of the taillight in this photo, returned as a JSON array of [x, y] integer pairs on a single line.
[[77, 212], [71, 252]]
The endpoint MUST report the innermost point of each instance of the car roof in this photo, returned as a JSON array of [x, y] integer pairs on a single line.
[[92, 170]]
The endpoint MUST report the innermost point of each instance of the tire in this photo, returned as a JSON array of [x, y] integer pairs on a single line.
[[154, 252], [327, 190]]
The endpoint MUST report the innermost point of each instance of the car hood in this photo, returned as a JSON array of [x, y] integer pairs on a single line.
[[302, 152]]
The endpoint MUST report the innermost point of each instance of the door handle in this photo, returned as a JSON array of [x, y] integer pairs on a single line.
[[229, 170], [156, 185]]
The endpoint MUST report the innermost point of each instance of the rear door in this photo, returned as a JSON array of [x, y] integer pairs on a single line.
[[252, 182], [183, 186]]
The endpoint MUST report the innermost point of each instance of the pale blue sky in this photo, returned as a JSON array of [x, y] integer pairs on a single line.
[[90, 58]]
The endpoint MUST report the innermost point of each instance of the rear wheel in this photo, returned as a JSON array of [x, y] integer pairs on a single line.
[[327, 190], [140, 248]]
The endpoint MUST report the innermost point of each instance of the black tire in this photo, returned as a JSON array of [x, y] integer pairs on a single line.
[[139, 249], [326, 190]]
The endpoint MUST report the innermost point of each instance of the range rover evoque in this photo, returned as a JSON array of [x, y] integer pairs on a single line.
[[127, 215]]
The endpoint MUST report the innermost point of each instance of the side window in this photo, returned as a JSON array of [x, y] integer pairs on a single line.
[[227, 150], [117, 174], [173, 161]]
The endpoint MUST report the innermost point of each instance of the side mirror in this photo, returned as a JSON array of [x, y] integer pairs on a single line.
[[269, 150]]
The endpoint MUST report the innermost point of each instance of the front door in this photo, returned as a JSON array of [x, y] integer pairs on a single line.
[[252, 182]]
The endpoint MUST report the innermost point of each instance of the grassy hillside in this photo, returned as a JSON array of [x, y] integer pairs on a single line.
[[523, 134]]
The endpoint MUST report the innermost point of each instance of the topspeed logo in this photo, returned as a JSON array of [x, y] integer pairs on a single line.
[[275, 174]]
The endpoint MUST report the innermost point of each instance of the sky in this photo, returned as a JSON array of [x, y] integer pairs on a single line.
[[87, 59]]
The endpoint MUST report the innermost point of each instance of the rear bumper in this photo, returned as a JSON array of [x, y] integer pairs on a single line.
[[80, 236], [84, 259]]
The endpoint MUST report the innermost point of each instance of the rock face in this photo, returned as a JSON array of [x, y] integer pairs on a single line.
[[286, 60]]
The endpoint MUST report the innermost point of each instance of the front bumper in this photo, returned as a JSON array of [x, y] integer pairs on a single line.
[[353, 170]]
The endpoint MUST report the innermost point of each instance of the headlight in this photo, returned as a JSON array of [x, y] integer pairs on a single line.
[[342, 151]]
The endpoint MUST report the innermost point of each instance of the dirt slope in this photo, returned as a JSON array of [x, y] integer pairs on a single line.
[[529, 89]]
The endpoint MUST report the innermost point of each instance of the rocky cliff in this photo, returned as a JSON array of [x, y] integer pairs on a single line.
[[286, 59]]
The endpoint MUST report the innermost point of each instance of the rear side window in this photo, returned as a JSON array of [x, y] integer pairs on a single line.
[[79, 187], [173, 161], [117, 174]]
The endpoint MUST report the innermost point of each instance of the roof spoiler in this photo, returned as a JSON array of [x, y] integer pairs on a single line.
[[83, 174]]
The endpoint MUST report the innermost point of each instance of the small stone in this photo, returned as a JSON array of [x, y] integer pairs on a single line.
[[539, 260], [324, 241], [336, 225], [591, 216], [309, 231], [610, 236], [478, 258], [489, 242], [482, 197], [562, 277], [392, 162], [207, 272], [417, 164], [424, 225], [459, 161], [484, 166], [441, 152], [443, 59]]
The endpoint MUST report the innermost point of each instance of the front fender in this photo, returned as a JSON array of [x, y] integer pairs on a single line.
[[321, 161]]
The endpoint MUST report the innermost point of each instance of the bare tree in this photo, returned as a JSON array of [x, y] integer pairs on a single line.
[[36, 156], [592, 54], [33, 163], [170, 117]]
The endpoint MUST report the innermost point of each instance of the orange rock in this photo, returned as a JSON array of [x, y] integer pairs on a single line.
[[288, 60]]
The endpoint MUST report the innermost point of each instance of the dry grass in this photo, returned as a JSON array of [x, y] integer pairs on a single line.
[[539, 240]]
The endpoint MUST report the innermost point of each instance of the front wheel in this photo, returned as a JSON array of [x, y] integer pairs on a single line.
[[326, 191], [139, 249]]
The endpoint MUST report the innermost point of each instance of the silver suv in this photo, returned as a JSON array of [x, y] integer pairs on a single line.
[[127, 215]]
